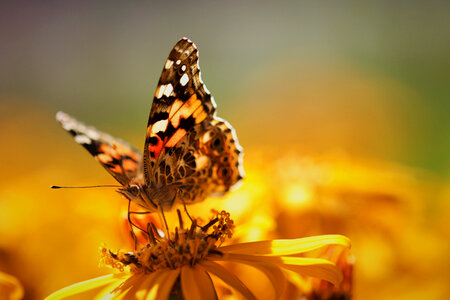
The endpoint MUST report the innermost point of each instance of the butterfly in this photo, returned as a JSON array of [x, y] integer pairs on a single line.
[[189, 152]]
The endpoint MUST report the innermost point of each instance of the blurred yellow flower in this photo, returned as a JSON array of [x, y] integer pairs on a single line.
[[185, 265], [10, 287]]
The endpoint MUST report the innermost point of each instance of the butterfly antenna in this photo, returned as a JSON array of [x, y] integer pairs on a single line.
[[84, 187]]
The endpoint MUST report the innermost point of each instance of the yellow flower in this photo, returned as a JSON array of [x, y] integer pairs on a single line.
[[10, 287], [188, 264]]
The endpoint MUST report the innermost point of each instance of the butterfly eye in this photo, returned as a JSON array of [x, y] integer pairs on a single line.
[[134, 189]]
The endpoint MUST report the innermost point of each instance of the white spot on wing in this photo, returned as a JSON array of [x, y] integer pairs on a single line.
[[82, 139], [168, 90], [159, 92], [60, 116], [184, 79], [168, 64], [161, 125], [93, 134], [67, 126], [183, 68], [178, 62]]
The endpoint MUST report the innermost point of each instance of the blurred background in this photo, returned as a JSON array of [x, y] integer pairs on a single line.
[[342, 108]]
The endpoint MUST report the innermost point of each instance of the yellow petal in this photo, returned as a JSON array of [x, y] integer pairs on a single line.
[[315, 267], [162, 285], [144, 288], [140, 289], [10, 287], [84, 286], [273, 273], [105, 293], [227, 277], [128, 289], [288, 246], [196, 284]]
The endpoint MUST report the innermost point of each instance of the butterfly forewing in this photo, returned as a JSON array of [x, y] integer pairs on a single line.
[[118, 157], [181, 102]]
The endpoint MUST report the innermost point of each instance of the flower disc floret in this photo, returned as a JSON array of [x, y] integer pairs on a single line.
[[188, 246]]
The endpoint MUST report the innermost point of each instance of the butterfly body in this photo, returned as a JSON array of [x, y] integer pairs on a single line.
[[189, 153]]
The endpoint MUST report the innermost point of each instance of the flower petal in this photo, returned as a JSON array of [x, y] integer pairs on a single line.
[[143, 289], [273, 273], [140, 289], [10, 287], [288, 246], [106, 293], [127, 289], [84, 286], [162, 284], [196, 284], [227, 277], [315, 267]]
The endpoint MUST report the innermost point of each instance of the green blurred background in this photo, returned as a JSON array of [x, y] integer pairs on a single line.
[[371, 79]]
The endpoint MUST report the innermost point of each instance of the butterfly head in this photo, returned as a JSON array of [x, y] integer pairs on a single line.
[[137, 193], [131, 191]]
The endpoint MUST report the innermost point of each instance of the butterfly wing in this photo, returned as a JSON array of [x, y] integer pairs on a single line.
[[188, 150], [119, 158], [211, 163], [181, 102]]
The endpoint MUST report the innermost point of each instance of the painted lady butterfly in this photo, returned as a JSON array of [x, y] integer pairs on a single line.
[[189, 153]]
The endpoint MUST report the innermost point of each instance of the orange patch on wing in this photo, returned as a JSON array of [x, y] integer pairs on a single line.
[[176, 137], [124, 150], [116, 169], [175, 107], [108, 150], [199, 115], [129, 165], [185, 110]]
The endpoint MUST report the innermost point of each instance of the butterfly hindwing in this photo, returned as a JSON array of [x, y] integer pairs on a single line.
[[210, 162], [222, 146], [181, 102], [119, 158]]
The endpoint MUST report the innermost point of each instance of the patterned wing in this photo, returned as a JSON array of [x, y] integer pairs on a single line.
[[119, 158], [212, 163], [181, 103]]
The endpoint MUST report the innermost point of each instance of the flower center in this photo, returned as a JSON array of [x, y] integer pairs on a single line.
[[187, 246]]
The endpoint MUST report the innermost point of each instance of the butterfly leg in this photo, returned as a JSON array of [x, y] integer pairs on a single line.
[[187, 213], [132, 225], [165, 222], [133, 235]]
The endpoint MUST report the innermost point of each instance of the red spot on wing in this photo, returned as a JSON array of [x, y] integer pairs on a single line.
[[155, 150]]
